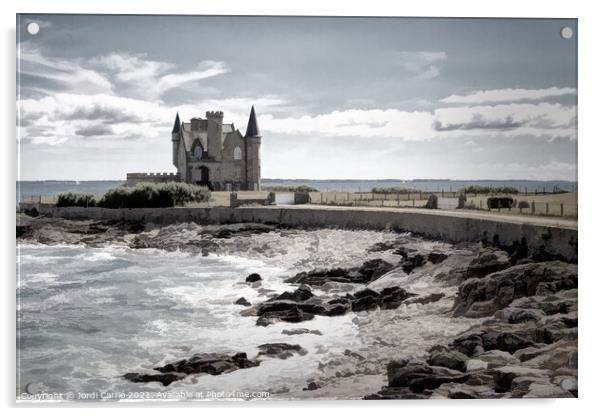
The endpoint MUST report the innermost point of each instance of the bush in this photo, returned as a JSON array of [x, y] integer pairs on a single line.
[[74, 199], [393, 190], [286, 188], [488, 190], [154, 195]]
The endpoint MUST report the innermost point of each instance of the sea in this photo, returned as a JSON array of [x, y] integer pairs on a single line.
[[25, 190], [88, 315]]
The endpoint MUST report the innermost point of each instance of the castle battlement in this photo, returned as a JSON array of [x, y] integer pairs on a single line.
[[154, 177], [214, 114]]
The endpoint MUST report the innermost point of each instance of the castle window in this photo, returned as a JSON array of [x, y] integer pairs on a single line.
[[237, 153], [197, 152]]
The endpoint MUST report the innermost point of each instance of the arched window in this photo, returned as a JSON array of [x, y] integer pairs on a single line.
[[237, 153], [197, 152]]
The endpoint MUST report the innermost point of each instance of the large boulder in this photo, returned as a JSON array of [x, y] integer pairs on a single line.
[[448, 358], [419, 377], [487, 261], [479, 297]]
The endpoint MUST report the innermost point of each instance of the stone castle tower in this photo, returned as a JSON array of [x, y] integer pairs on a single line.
[[211, 153]]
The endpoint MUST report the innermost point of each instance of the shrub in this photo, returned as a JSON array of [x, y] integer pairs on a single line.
[[488, 190], [393, 190], [74, 199], [292, 188], [154, 195]]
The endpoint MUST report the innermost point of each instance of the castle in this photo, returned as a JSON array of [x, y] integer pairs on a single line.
[[210, 153]]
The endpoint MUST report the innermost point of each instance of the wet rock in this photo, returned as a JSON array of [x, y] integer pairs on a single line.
[[450, 359], [300, 294], [476, 343], [212, 363], [423, 300], [243, 302], [420, 377], [166, 379], [312, 385], [300, 331], [410, 262], [395, 393], [253, 277], [486, 262], [436, 257], [281, 350], [483, 296], [367, 272], [509, 377]]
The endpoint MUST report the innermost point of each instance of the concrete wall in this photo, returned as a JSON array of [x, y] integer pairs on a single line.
[[556, 240]]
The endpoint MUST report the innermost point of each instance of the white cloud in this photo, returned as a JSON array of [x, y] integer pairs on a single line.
[[148, 79], [511, 120], [64, 75], [508, 95]]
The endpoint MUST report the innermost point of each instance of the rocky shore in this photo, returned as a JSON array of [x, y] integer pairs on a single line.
[[517, 308]]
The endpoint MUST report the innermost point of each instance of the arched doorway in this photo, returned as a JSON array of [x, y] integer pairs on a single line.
[[204, 179]]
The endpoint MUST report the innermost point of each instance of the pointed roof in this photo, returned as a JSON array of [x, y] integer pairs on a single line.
[[176, 124], [252, 128]]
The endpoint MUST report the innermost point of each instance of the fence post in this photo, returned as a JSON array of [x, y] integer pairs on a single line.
[[547, 207], [321, 198], [562, 209], [480, 203], [413, 203], [532, 207]]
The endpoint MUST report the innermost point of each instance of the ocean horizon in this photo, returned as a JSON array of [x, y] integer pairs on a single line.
[[29, 189]]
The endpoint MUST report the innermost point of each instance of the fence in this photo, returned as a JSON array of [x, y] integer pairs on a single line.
[[560, 204]]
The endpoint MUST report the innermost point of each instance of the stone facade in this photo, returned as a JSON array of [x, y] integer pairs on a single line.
[[211, 153]]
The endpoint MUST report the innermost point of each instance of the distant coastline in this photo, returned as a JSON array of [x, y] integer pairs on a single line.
[[28, 189]]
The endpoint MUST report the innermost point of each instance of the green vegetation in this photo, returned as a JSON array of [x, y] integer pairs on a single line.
[[286, 188], [143, 195], [154, 195], [74, 199], [393, 190], [487, 190]]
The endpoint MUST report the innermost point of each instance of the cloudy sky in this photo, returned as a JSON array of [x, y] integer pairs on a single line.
[[336, 98]]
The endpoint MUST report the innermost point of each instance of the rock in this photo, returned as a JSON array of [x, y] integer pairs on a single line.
[[281, 350], [243, 302], [486, 262], [300, 294], [212, 363], [166, 379], [475, 365], [504, 377], [367, 272], [450, 359], [436, 257], [253, 277], [423, 300], [476, 343], [419, 376], [409, 263], [480, 297], [300, 331], [497, 358], [312, 385]]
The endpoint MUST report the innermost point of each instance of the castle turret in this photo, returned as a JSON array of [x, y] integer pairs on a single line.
[[253, 145], [214, 134], [175, 139]]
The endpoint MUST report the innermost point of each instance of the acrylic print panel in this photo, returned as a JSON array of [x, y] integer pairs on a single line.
[[275, 208]]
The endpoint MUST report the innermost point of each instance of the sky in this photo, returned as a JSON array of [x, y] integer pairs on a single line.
[[336, 98]]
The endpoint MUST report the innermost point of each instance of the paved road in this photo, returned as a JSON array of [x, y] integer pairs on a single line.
[[495, 216]]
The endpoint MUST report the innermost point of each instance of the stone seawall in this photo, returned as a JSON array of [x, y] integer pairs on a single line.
[[555, 239]]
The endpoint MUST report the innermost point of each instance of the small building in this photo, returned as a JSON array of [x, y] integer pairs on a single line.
[[208, 152]]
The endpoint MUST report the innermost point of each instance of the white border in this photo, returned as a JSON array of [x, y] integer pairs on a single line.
[[589, 154]]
